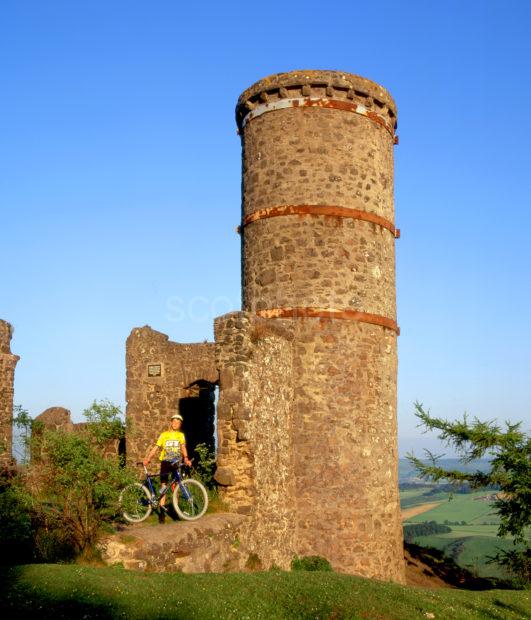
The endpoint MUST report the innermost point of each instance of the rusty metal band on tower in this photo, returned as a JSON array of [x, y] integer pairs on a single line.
[[325, 210], [326, 313], [330, 313]]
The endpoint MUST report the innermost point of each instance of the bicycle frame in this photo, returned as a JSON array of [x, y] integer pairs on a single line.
[[176, 478]]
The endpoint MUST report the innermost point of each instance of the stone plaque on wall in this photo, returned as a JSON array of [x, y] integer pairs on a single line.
[[154, 370]]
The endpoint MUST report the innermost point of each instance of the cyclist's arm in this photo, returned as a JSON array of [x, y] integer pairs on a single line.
[[184, 453], [151, 454]]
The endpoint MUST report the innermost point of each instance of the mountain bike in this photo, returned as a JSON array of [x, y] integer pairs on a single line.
[[139, 499]]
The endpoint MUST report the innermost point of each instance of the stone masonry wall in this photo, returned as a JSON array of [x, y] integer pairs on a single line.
[[345, 443], [255, 429], [212, 544], [151, 397], [8, 362]]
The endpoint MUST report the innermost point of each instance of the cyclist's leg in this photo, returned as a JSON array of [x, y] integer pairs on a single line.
[[165, 470], [174, 474]]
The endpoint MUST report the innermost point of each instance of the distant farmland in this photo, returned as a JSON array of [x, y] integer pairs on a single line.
[[471, 519]]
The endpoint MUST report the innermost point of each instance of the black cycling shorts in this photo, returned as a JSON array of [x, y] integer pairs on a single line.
[[166, 468]]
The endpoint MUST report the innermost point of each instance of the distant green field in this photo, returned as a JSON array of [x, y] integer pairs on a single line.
[[413, 497], [461, 507], [469, 545]]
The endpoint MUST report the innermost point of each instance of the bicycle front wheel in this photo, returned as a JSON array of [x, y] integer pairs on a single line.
[[135, 502], [190, 499]]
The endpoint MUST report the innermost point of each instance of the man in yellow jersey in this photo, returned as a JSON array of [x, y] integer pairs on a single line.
[[173, 446]]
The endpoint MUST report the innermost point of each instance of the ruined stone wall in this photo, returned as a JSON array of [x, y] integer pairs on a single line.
[[318, 240], [8, 362], [307, 438], [161, 375], [255, 432], [60, 419], [55, 419]]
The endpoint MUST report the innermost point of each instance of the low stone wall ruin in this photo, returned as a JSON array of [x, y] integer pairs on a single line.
[[212, 544]]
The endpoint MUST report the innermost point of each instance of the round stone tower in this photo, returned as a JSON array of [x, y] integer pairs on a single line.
[[318, 239]]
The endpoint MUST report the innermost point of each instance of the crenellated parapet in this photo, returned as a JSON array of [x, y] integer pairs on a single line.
[[331, 89]]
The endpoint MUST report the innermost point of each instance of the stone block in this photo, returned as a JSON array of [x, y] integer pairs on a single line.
[[225, 476]]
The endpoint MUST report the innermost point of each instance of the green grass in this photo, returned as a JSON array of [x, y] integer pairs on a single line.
[[66, 591]]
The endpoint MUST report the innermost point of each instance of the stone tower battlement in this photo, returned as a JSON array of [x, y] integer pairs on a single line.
[[330, 85]]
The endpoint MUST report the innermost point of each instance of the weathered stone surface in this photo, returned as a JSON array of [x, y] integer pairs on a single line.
[[8, 362], [56, 418], [256, 439], [225, 476], [212, 544]]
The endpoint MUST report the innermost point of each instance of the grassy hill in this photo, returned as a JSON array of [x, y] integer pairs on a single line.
[[66, 591]]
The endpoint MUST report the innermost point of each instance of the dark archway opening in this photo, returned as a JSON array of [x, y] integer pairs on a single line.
[[199, 414]]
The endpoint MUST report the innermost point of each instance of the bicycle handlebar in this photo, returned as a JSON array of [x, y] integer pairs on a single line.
[[174, 461]]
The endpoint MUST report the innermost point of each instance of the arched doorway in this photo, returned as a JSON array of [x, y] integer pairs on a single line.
[[198, 409]]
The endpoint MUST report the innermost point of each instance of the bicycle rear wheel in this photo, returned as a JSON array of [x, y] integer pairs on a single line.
[[135, 502], [190, 499]]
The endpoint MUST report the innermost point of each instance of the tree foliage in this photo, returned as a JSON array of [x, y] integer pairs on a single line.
[[70, 488], [104, 422], [426, 528], [16, 527], [76, 484], [311, 563], [205, 467], [23, 423], [74, 481], [508, 449]]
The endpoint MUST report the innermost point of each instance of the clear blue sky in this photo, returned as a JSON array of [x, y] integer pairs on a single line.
[[120, 182]]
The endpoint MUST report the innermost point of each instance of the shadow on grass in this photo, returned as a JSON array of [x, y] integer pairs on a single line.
[[23, 597], [18, 599], [450, 572]]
